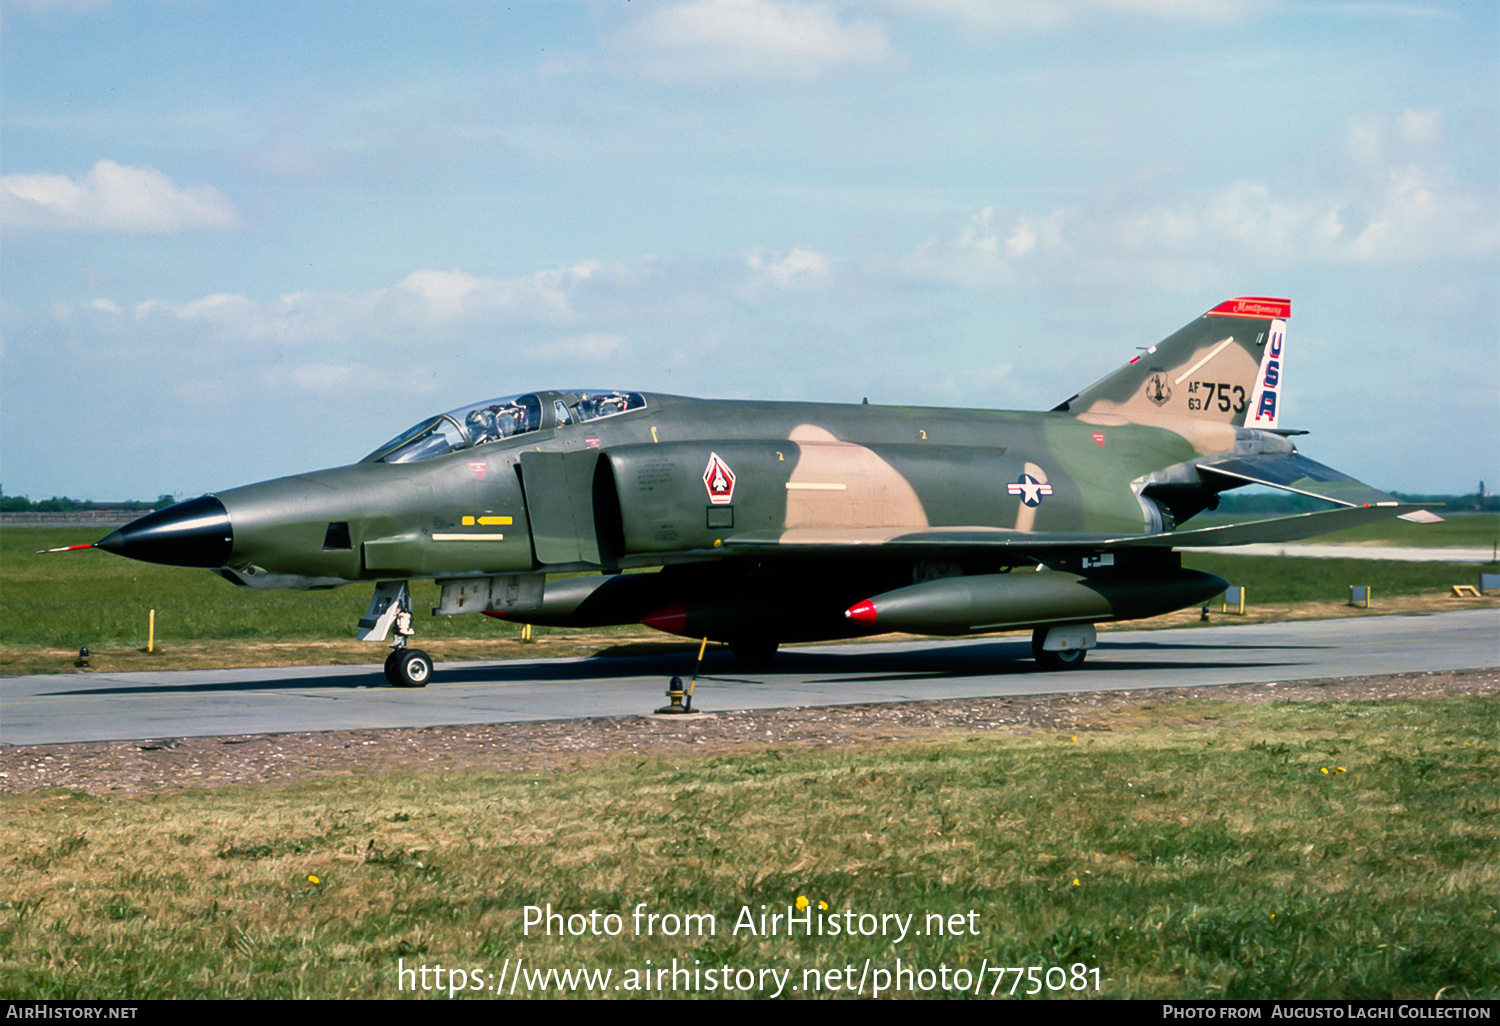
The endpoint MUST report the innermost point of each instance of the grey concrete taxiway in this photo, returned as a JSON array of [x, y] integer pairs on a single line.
[[127, 706]]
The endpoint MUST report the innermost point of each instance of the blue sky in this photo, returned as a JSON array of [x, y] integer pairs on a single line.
[[244, 240]]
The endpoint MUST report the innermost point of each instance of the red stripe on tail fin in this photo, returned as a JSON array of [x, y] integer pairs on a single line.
[[1253, 306]]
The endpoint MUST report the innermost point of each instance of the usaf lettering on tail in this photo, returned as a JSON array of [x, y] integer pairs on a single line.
[[771, 522]]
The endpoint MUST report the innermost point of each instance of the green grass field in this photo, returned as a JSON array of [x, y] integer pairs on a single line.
[[1476, 530], [1459, 530], [1206, 849], [1288, 579], [93, 598]]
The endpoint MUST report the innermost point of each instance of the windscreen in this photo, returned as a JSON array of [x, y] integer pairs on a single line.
[[506, 417], [462, 428]]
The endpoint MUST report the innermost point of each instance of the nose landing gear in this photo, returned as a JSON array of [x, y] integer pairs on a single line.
[[391, 607]]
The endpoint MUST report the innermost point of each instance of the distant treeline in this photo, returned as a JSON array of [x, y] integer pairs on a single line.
[[1291, 502], [1459, 503], [61, 504]]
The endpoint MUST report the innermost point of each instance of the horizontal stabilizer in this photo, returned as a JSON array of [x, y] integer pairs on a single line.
[[1280, 529], [1294, 472], [951, 540]]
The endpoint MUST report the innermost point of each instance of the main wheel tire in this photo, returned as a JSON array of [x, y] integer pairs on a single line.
[[390, 668], [1054, 660], [412, 668], [754, 653]]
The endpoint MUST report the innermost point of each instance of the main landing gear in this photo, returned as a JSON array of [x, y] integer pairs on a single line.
[[1062, 648], [391, 608]]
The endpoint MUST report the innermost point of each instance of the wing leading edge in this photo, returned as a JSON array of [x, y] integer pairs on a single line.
[[952, 539]]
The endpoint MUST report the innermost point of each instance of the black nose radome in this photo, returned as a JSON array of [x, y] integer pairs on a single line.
[[192, 533]]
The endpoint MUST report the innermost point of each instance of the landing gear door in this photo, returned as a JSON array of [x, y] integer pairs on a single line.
[[559, 490]]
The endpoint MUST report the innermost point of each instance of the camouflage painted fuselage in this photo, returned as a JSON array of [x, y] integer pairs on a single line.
[[770, 521], [631, 491]]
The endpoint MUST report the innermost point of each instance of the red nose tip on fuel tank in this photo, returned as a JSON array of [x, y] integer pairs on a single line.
[[669, 619]]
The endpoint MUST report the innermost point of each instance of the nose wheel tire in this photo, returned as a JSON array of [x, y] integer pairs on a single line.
[[408, 668]]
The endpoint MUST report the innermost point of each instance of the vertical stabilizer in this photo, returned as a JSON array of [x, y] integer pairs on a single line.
[[1265, 401], [1225, 367]]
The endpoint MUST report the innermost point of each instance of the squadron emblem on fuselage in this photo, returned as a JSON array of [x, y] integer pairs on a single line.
[[1157, 389], [719, 480]]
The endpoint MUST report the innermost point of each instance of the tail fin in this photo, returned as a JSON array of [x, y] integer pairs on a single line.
[[1225, 367]]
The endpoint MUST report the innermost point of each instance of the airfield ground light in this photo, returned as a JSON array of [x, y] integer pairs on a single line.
[[675, 693], [682, 697]]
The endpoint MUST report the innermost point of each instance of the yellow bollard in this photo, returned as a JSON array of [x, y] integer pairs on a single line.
[[151, 632], [694, 682]]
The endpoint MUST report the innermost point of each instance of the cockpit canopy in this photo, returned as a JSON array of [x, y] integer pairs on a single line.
[[506, 417]]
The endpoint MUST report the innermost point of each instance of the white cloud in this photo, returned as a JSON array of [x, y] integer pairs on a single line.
[[426, 305], [44, 7], [751, 39], [296, 319], [800, 267], [1420, 127], [591, 345], [988, 249], [444, 292], [323, 381], [1022, 240], [1001, 16], [441, 296], [328, 379], [1362, 9], [112, 198], [1390, 202], [967, 255]]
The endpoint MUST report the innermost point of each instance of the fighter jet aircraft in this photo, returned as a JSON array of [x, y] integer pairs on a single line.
[[773, 522]]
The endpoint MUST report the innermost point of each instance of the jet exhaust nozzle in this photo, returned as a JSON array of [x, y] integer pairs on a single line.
[[192, 533]]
